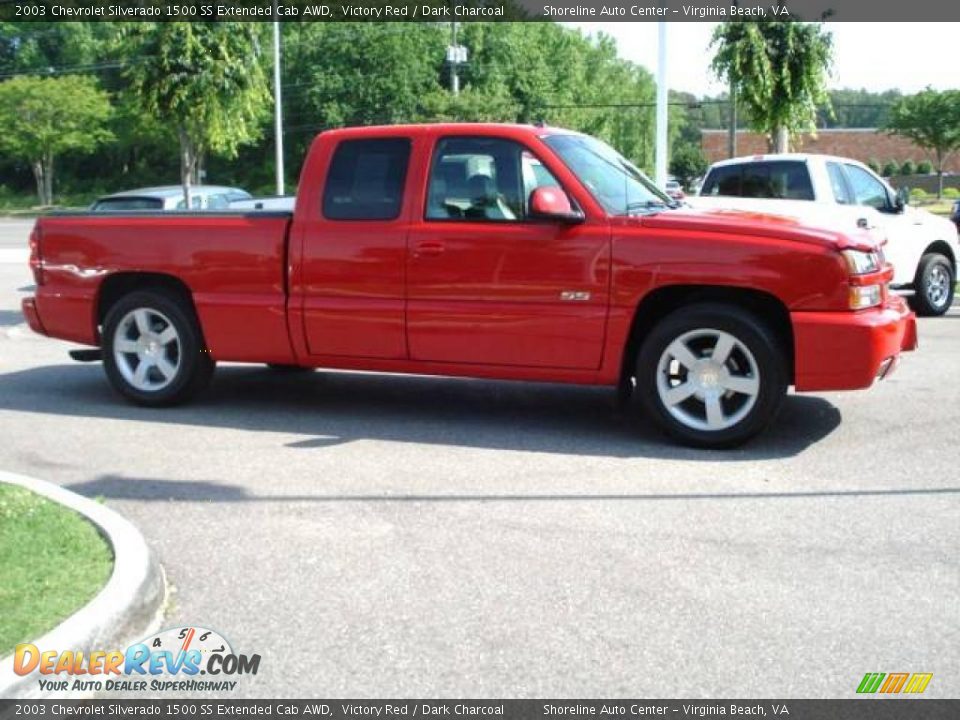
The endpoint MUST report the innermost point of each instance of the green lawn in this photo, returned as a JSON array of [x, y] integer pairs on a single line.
[[26, 205], [52, 562], [941, 207]]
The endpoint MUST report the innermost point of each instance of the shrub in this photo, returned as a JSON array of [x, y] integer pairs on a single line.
[[918, 194], [874, 165], [951, 193], [908, 168], [924, 167], [890, 168]]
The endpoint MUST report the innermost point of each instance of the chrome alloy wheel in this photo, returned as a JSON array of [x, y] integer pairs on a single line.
[[938, 285], [708, 380], [146, 347]]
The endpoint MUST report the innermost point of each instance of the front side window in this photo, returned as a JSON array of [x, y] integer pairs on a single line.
[[365, 180], [194, 203], [867, 190], [615, 182], [481, 178]]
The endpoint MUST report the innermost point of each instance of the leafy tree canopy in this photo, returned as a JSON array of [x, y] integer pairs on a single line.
[[43, 118], [779, 71], [932, 120]]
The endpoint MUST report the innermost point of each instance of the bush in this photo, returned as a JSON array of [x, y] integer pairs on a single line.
[[890, 168], [874, 165], [951, 193], [908, 168], [919, 194], [924, 167]]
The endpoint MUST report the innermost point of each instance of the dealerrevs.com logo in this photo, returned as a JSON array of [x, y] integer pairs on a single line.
[[189, 659], [894, 683]]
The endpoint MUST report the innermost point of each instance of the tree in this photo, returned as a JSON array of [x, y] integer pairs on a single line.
[[687, 163], [932, 120], [43, 118], [779, 70], [890, 168], [204, 79]]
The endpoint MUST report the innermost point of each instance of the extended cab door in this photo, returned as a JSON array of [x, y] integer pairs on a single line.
[[488, 284], [352, 249]]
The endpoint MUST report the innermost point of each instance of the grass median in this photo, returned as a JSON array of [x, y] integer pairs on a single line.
[[52, 562]]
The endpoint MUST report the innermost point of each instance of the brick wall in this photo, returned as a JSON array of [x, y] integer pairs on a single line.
[[860, 144]]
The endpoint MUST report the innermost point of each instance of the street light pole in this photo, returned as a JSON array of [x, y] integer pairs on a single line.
[[454, 55], [660, 164], [277, 102]]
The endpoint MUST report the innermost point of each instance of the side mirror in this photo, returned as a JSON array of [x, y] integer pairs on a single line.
[[552, 203], [903, 199]]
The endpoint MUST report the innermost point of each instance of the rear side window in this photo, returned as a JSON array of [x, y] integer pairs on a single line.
[[128, 204], [365, 180], [723, 181], [841, 194], [781, 180]]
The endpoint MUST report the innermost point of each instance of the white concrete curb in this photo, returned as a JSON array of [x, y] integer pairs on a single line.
[[128, 607]]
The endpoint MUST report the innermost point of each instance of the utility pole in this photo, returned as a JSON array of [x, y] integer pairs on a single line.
[[732, 130], [660, 164], [456, 55], [277, 101]]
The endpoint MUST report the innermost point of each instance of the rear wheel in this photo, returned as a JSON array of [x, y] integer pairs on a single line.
[[711, 375], [153, 350], [934, 285]]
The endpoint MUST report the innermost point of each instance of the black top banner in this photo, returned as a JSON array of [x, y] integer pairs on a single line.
[[214, 709], [478, 10]]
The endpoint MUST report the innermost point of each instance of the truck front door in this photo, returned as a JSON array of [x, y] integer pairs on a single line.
[[488, 284]]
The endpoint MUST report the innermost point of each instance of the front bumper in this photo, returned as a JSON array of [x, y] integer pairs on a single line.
[[849, 350]]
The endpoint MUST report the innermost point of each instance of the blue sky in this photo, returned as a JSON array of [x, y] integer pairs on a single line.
[[875, 56]]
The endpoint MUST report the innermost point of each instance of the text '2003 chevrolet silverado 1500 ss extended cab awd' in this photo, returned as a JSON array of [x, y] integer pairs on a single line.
[[497, 251]]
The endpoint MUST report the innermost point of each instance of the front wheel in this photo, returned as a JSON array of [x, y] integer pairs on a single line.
[[711, 375], [154, 352], [934, 285]]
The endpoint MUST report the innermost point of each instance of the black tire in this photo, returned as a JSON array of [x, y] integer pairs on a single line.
[[757, 360], [193, 364], [930, 297], [282, 368]]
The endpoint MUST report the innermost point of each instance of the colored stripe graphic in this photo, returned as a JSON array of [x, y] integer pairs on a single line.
[[918, 682], [894, 682], [870, 682]]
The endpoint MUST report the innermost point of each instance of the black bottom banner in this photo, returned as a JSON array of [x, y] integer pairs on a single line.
[[854, 709]]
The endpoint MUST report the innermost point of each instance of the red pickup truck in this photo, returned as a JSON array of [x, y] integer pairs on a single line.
[[482, 250]]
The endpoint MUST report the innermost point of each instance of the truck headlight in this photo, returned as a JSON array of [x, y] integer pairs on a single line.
[[864, 296], [861, 263]]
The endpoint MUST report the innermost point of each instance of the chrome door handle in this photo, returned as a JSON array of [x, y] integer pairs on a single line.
[[428, 249]]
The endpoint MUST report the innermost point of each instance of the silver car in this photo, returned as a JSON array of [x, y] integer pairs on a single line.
[[169, 198]]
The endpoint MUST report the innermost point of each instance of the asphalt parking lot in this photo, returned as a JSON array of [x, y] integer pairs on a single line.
[[386, 536]]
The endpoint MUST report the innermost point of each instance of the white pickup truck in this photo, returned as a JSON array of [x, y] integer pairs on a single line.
[[842, 193]]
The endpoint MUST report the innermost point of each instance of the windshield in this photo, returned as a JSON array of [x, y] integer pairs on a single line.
[[614, 181]]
